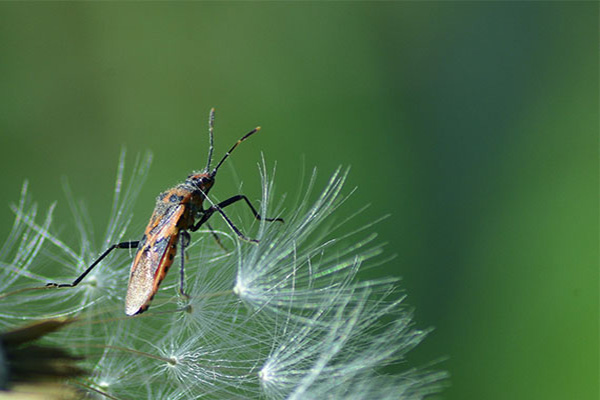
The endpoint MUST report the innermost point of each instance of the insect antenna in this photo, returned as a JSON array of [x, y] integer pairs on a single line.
[[211, 126], [246, 136]]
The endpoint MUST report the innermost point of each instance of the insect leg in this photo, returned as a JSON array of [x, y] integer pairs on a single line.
[[239, 197], [206, 214], [184, 240], [217, 239], [123, 245]]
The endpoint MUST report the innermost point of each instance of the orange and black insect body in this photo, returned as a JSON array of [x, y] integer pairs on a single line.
[[178, 211]]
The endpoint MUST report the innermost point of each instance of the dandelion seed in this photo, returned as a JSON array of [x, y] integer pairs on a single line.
[[285, 319]]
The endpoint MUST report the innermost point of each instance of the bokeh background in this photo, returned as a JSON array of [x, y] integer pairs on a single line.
[[475, 125]]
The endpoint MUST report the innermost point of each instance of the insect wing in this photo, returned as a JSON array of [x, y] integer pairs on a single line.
[[153, 258]]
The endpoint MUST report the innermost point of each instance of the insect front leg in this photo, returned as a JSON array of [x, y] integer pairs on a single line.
[[123, 245], [239, 197], [206, 214]]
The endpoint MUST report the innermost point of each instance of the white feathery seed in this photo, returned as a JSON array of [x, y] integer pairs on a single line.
[[287, 318]]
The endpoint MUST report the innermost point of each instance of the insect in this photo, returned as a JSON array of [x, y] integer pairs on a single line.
[[177, 212]]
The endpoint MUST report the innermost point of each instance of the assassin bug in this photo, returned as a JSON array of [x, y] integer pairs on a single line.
[[178, 211]]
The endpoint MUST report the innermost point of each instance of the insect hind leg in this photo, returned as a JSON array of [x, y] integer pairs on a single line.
[[123, 245]]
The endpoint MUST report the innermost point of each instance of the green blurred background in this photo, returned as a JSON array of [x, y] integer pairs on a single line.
[[474, 124]]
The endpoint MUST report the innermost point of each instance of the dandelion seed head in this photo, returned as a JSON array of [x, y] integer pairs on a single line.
[[172, 363], [284, 319], [104, 384], [239, 289]]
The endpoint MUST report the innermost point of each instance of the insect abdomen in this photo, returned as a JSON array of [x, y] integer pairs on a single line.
[[154, 257]]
